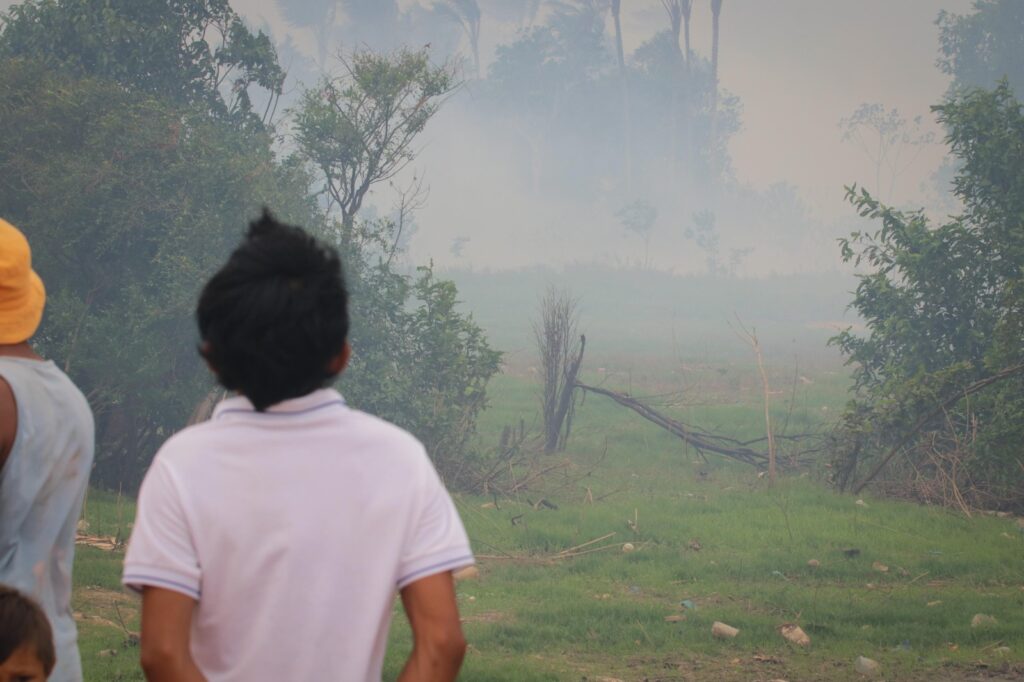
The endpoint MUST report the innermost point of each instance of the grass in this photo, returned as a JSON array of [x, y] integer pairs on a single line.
[[533, 617]]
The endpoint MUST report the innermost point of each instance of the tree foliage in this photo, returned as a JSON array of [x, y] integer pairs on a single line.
[[418, 360], [133, 191], [129, 203], [189, 52], [984, 47], [358, 129], [943, 306]]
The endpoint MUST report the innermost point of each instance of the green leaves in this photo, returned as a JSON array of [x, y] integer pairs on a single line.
[[190, 52], [943, 304]]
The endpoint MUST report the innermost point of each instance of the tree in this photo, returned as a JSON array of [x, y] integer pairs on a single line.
[[716, 16], [679, 12], [358, 128], [888, 139], [129, 203], [190, 52], [417, 359], [627, 122], [638, 218], [466, 13], [550, 88], [560, 347], [982, 48], [944, 309]]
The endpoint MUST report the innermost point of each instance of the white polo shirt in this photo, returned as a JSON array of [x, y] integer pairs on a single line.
[[292, 529]]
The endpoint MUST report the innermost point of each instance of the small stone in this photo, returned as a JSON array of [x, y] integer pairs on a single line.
[[933, 603], [488, 505], [982, 620], [865, 666], [695, 545], [814, 563], [471, 599], [675, 618], [106, 653], [628, 547], [795, 634], [467, 573], [861, 503], [880, 567], [688, 604], [723, 631]]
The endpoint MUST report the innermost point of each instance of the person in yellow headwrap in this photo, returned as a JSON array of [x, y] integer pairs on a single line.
[[46, 453]]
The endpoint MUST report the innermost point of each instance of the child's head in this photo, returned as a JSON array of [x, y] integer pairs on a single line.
[[26, 641], [274, 319]]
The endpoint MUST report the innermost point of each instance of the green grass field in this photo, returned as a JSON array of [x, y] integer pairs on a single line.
[[533, 616]]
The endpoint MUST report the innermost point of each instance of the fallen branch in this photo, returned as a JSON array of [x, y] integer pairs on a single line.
[[702, 442]]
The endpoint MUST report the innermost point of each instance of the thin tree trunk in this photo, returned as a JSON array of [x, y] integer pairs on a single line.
[[675, 15], [624, 84], [716, 13]]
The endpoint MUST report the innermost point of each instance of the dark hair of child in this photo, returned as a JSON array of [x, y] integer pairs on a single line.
[[23, 623], [272, 318]]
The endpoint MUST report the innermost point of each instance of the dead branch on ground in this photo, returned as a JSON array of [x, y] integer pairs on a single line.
[[701, 441]]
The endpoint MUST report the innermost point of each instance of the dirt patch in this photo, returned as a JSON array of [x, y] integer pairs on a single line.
[[106, 608]]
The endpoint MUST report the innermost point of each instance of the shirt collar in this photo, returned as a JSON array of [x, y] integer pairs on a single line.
[[316, 400]]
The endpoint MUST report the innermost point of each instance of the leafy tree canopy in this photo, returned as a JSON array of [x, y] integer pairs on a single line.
[[944, 307], [129, 205], [984, 47], [190, 52]]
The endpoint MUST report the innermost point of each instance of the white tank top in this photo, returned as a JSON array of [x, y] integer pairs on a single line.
[[42, 485]]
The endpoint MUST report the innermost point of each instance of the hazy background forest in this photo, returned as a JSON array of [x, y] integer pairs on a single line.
[[791, 233]]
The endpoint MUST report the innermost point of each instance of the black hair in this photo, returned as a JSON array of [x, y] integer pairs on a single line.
[[23, 623], [275, 315]]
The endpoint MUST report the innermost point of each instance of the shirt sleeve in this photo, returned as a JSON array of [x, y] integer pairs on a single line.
[[437, 541], [161, 552]]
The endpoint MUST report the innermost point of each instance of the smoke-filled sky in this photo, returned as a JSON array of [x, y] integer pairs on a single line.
[[797, 67]]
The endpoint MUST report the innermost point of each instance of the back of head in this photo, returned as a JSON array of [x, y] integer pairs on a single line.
[[275, 315], [23, 624]]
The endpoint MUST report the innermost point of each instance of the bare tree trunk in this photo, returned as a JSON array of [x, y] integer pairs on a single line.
[[716, 13], [676, 10], [560, 359], [687, 8], [624, 84]]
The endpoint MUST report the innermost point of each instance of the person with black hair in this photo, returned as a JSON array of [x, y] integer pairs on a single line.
[[269, 541], [26, 639]]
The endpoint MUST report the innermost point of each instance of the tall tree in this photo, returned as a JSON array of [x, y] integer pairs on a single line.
[[627, 118], [358, 128], [944, 309], [191, 52], [466, 13], [677, 11], [716, 15], [982, 48], [686, 6]]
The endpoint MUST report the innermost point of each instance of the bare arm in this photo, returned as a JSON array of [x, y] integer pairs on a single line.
[[438, 644], [8, 421], [166, 626]]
